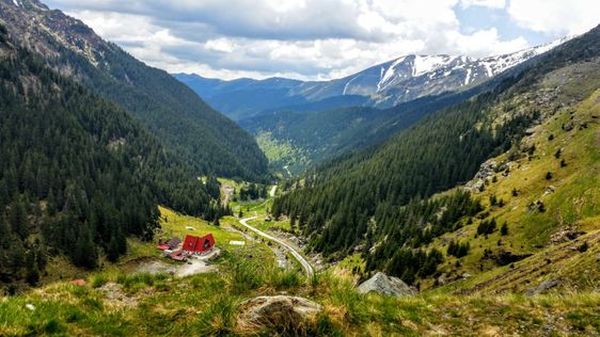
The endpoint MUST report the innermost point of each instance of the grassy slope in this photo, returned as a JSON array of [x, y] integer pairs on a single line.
[[573, 204], [174, 224], [207, 305]]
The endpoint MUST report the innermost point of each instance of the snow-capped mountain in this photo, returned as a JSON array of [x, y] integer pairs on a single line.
[[384, 85], [414, 76]]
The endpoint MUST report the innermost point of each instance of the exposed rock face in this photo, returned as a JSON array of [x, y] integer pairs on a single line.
[[287, 315], [387, 285], [566, 234], [486, 170]]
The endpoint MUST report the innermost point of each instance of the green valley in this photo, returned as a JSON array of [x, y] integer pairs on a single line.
[[424, 195]]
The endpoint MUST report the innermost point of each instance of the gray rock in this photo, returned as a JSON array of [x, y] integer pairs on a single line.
[[543, 287], [387, 285], [274, 312]]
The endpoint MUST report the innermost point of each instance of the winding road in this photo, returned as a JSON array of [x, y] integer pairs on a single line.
[[305, 264]]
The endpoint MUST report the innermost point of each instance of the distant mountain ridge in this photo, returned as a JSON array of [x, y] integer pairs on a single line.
[[384, 85]]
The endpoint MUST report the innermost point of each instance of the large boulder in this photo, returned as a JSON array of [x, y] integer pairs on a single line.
[[387, 285], [286, 315]]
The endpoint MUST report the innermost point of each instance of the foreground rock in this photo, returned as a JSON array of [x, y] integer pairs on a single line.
[[286, 315], [387, 285]]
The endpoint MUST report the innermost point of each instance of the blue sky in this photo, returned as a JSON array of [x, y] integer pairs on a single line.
[[479, 17], [322, 39]]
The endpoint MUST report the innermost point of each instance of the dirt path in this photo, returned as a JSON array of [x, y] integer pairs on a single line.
[[194, 265], [305, 264]]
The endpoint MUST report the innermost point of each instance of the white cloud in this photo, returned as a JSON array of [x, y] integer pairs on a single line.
[[307, 39], [222, 44], [556, 16], [498, 4]]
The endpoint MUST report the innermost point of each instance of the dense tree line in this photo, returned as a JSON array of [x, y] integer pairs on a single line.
[[400, 232], [210, 143], [77, 174], [253, 192]]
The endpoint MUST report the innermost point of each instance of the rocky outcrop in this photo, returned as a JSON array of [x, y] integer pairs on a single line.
[[387, 285], [566, 234], [543, 287], [486, 171], [285, 315]]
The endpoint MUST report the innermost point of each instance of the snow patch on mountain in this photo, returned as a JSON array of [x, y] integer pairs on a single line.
[[347, 84], [468, 77], [426, 64], [389, 73]]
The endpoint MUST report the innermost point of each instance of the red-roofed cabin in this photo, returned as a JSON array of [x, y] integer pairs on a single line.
[[195, 244]]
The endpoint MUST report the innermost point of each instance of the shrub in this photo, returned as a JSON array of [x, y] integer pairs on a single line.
[[504, 229], [486, 227], [458, 249], [583, 248]]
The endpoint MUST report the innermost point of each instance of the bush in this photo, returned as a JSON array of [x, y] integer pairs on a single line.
[[504, 229], [219, 318], [486, 227], [285, 279], [583, 248], [458, 249]]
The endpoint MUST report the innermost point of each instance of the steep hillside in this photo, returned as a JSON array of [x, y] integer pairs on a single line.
[[77, 175], [370, 201], [209, 141], [384, 85], [545, 193]]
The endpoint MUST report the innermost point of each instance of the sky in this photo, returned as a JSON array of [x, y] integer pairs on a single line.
[[322, 39]]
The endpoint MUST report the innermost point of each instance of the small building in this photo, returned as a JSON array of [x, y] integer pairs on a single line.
[[174, 243], [195, 244], [170, 244]]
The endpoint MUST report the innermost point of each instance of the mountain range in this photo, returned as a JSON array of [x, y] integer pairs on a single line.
[[383, 86], [473, 183]]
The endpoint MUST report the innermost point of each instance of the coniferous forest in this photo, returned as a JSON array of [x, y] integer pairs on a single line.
[[208, 141], [77, 174]]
